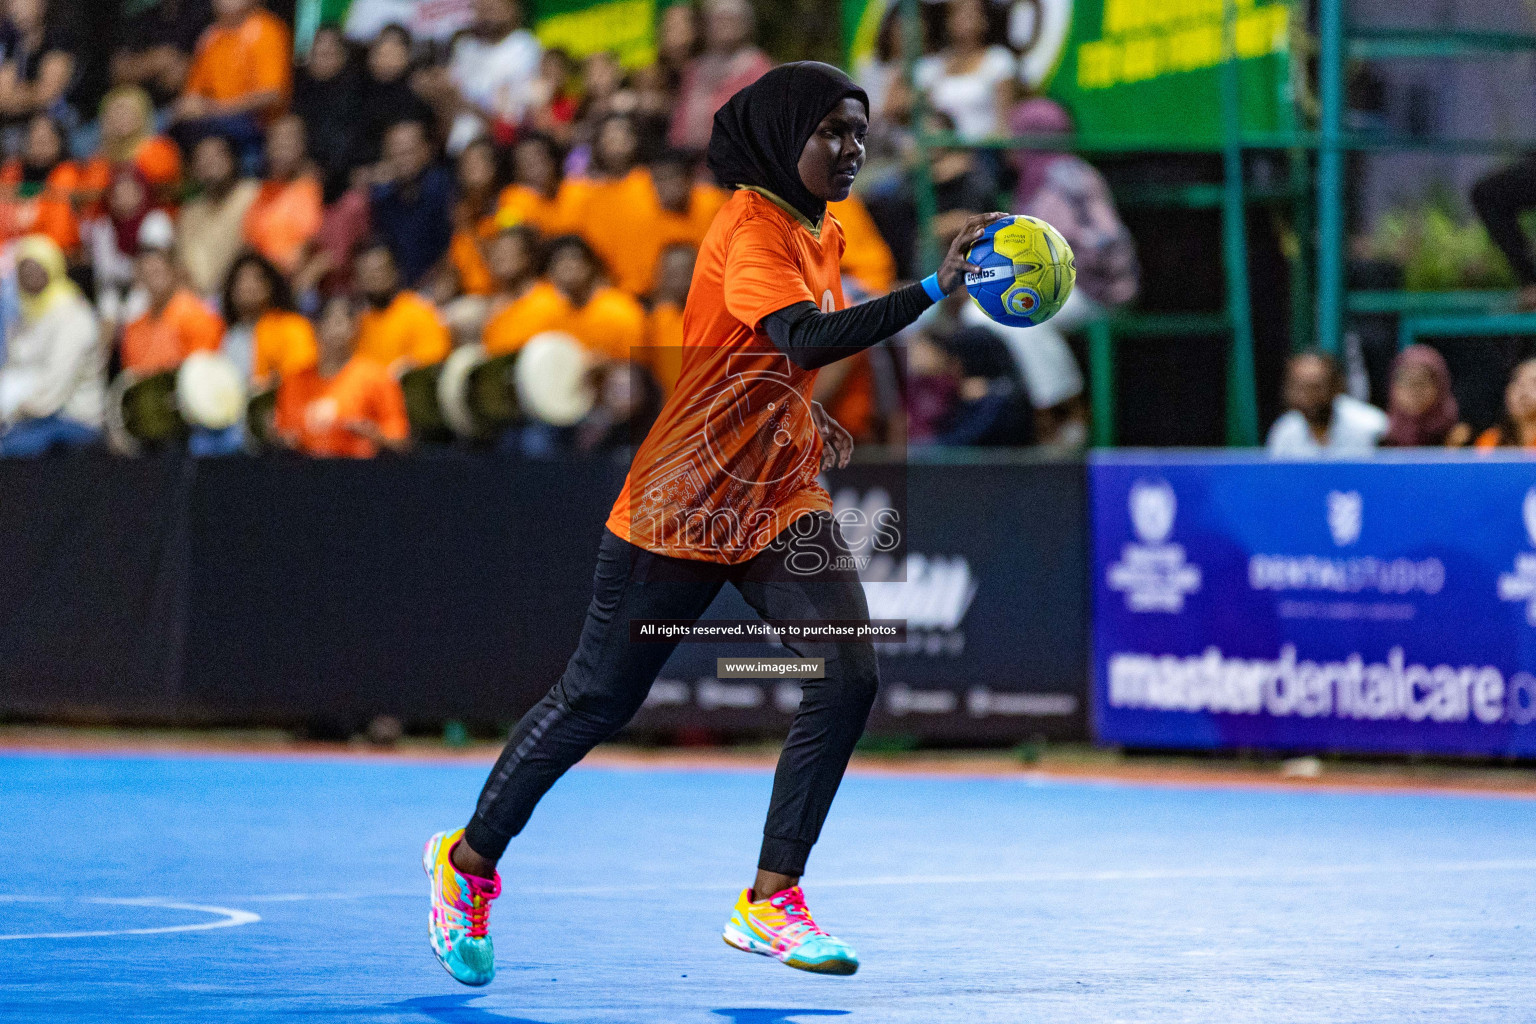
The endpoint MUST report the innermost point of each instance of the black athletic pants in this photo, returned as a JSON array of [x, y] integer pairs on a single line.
[[1499, 200], [608, 678]]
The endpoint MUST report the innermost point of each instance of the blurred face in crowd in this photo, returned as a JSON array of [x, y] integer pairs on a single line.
[[617, 146], [232, 12], [678, 34], [601, 75], [674, 185], [213, 165], [727, 25], [286, 148], [966, 24], [250, 292], [327, 55], [122, 117], [31, 276], [1520, 396], [1311, 385], [555, 67], [377, 279], [26, 15], [674, 274], [511, 259], [534, 165], [389, 57], [834, 153], [495, 17], [336, 332], [45, 146], [652, 95], [477, 169], [406, 151], [157, 276], [1414, 390], [127, 197], [573, 272]]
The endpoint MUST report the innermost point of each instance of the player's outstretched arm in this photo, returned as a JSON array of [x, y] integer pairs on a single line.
[[813, 339]]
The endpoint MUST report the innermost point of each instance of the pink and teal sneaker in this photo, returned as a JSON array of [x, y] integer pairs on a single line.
[[782, 927], [459, 924]]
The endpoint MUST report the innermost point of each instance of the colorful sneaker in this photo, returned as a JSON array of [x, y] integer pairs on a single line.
[[458, 925], [782, 927]]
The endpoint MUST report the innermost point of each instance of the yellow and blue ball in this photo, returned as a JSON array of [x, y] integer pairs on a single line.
[[1027, 271]]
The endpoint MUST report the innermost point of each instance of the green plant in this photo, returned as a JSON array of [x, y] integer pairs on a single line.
[[1437, 247]]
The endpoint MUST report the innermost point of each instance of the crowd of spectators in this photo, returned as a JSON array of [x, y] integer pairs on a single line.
[[332, 220]]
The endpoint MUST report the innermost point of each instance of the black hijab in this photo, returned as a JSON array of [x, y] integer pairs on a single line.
[[761, 131]]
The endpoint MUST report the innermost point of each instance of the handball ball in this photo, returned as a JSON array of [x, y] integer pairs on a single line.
[[1026, 272]]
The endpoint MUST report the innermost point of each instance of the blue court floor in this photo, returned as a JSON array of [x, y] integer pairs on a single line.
[[248, 889]]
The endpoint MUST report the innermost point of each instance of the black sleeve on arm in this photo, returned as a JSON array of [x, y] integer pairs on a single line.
[[813, 339]]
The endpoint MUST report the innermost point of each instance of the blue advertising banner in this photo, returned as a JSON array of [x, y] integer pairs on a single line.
[[1384, 606]]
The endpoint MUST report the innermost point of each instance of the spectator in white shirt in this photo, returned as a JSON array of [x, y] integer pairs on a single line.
[[53, 383], [968, 80], [1321, 419], [494, 66]]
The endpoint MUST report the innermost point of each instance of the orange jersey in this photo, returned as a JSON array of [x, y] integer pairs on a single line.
[[408, 329], [232, 63], [316, 411], [611, 323], [671, 228], [866, 257], [285, 345], [156, 159], [156, 342], [663, 352], [467, 257], [520, 204], [285, 219], [52, 210], [733, 458], [618, 218]]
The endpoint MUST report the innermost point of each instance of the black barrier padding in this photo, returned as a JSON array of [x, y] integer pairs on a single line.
[[92, 586], [424, 589]]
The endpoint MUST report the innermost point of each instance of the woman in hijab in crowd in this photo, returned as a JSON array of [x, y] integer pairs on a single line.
[[53, 382], [129, 222], [128, 139], [1421, 411], [326, 96], [728, 467]]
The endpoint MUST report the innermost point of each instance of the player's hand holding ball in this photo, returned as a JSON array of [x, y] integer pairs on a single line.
[[957, 265]]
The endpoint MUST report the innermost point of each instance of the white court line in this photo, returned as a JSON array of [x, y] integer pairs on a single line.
[[227, 918], [1266, 874]]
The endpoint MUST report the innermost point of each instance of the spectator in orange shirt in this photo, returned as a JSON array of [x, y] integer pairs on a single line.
[[128, 138], [572, 298], [1518, 428], [266, 337], [43, 189], [474, 220], [615, 207], [347, 406], [399, 329], [285, 216], [685, 206], [663, 351], [240, 78], [515, 258], [176, 324], [537, 195]]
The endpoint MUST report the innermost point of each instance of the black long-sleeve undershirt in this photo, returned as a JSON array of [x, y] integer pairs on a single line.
[[813, 339]]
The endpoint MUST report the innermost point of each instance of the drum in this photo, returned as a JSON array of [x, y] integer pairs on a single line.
[[554, 379], [422, 407], [142, 413], [211, 391], [261, 420]]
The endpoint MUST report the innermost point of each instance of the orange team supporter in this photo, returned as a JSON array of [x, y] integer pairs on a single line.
[[285, 345], [285, 219], [618, 218], [467, 256], [157, 160], [51, 210], [520, 204], [233, 63], [867, 258], [672, 228], [663, 352], [611, 323], [759, 468], [156, 342], [312, 409], [408, 329]]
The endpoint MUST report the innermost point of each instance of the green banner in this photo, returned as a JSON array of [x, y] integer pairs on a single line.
[[1136, 69]]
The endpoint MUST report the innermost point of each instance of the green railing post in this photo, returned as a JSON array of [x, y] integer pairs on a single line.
[[1101, 381], [1242, 404], [925, 199], [1330, 177]]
